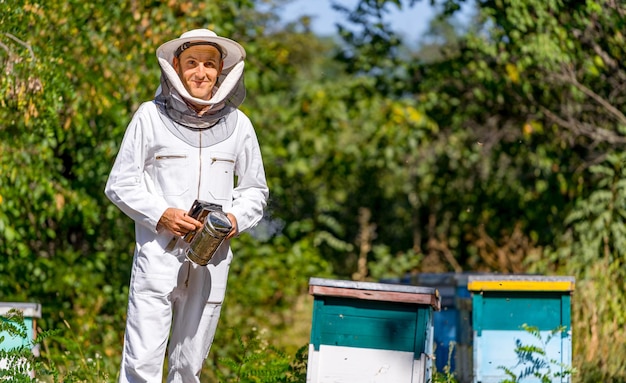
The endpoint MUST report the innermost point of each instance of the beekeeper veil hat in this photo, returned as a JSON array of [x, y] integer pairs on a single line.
[[232, 52], [230, 90]]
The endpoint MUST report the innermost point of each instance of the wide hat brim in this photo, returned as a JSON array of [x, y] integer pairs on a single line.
[[232, 50]]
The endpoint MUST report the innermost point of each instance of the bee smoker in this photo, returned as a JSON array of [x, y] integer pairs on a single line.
[[205, 242]]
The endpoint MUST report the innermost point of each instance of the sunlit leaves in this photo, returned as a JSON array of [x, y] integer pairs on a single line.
[[73, 73]]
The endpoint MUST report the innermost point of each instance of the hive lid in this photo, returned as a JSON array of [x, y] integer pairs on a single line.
[[520, 283], [375, 291], [29, 310]]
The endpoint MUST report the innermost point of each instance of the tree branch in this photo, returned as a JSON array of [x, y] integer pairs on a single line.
[[26, 45], [569, 77], [593, 132]]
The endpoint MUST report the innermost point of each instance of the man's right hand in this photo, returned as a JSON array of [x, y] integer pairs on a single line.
[[178, 222]]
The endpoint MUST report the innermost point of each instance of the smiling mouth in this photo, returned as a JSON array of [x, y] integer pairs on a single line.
[[200, 83]]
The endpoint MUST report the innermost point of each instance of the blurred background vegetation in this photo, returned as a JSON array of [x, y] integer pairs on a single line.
[[495, 146]]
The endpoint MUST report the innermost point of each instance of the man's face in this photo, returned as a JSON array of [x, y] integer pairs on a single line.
[[198, 68]]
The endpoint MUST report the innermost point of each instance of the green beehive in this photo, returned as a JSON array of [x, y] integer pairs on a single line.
[[511, 313], [371, 332]]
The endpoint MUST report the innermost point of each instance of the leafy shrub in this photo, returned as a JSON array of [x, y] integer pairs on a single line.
[[22, 365], [446, 376], [260, 362], [535, 362]]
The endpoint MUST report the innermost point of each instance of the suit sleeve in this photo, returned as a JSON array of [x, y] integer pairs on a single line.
[[126, 186], [251, 192]]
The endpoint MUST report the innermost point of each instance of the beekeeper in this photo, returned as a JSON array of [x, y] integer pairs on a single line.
[[187, 144]]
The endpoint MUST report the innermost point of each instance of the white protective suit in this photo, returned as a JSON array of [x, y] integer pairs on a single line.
[[171, 297]]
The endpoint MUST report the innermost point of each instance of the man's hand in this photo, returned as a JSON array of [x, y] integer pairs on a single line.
[[235, 230], [178, 222]]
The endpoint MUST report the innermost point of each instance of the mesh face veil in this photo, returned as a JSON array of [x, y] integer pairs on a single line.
[[173, 99]]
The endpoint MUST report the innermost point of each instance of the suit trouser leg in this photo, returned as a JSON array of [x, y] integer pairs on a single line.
[[145, 339], [196, 315]]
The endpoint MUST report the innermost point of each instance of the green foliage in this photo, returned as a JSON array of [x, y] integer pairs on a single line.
[[510, 151], [591, 249], [497, 152], [78, 363], [19, 360], [385, 265], [24, 366], [56, 230], [530, 115], [597, 221], [534, 362], [446, 376], [259, 362], [339, 139]]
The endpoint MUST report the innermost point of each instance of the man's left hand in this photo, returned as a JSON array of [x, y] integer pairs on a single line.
[[235, 230]]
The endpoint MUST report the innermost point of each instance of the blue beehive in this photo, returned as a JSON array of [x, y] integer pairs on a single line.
[[370, 332], [501, 306]]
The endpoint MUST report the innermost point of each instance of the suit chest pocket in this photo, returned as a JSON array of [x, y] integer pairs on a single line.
[[171, 174], [221, 175]]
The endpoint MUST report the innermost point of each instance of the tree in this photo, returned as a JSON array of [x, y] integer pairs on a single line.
[[529, 104]]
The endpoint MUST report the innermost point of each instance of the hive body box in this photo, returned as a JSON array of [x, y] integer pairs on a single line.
[[370, 332], [501, 305], [31, 312]]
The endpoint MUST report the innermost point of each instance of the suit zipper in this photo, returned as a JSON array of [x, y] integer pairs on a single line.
[[200, 164], [197, 196], [170, 157], [215, 159]]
